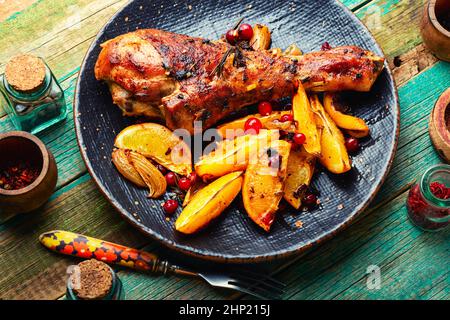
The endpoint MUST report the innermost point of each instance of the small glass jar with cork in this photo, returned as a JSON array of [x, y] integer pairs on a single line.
[[428, 201], [31, 95], [93, 280]]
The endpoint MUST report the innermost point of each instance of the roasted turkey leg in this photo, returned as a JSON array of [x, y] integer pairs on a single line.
[[158, 73]]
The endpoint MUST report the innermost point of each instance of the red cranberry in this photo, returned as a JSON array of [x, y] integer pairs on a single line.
[[161, 168], [264, 108], [287, 117], [245, 32], [283, 134], [193, 177], [299, 138], [253, 124], [184, 183], [326, 46], [170, 206], [171, 179], [352, 144], [232, 36], [310, 199]]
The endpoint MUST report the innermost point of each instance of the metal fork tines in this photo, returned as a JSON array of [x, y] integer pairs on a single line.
[[255, 284], [262, 287]]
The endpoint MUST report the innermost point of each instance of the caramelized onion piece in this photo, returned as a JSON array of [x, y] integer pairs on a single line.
[[152, 177], [126, 169]]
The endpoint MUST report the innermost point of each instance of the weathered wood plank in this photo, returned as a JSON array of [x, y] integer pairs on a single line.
[[177, 288], [64, 44], [410, 260], [353, 4], [78, 207], [411, 63], [395, 24], [29, 271], [9, 9], [415, 152], [70, 25], [55, 25]]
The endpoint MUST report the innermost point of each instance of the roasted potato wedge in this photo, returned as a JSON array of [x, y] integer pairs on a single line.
[[233, 155], [334, 155], [208, 203], [353, 125], [300, 170], [152, 177], [264, 183], [235, 128], [158, 143], [261, 37], [305, 121], [126, 169]]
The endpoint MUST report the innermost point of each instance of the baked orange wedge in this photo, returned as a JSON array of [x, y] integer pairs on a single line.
[[208, 203], [305, 121], [235, 128], [334, 155], [264, 183], [355, 126], [158, 143], [233, 155], [300, 169]]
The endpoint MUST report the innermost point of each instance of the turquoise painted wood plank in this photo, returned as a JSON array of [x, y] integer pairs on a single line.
[[417, 98], [14, 220], [411, 261], [352, 4], [191, 290], [146, 286], [388, 6], [394, 23], [77, 207]]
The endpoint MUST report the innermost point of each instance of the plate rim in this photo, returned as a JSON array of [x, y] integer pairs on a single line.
[[229, 258]]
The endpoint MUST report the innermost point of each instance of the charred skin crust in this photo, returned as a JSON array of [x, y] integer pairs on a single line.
[[176, 72]]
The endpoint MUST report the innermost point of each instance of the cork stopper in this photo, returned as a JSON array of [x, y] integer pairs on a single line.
[[25, 73], [94, 280]]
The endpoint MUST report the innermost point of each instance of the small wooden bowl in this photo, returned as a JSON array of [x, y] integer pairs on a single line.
[[439, 126], [435, 36], [17, 145]]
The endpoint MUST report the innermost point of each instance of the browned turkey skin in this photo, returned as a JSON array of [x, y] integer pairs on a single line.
[[157, 73]]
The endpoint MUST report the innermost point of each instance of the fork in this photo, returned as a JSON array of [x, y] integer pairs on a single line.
[[256, 284]]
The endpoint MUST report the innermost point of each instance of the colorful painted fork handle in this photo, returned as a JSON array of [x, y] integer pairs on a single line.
[[81, 246]]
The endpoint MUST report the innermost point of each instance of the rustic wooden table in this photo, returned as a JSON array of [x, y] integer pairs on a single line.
[[414, 264]]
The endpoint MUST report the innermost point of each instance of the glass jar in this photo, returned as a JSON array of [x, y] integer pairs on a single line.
[[425, 209], [37, 109], [115, 293]]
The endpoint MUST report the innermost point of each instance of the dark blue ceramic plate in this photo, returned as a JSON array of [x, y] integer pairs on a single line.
[[234, 237]]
